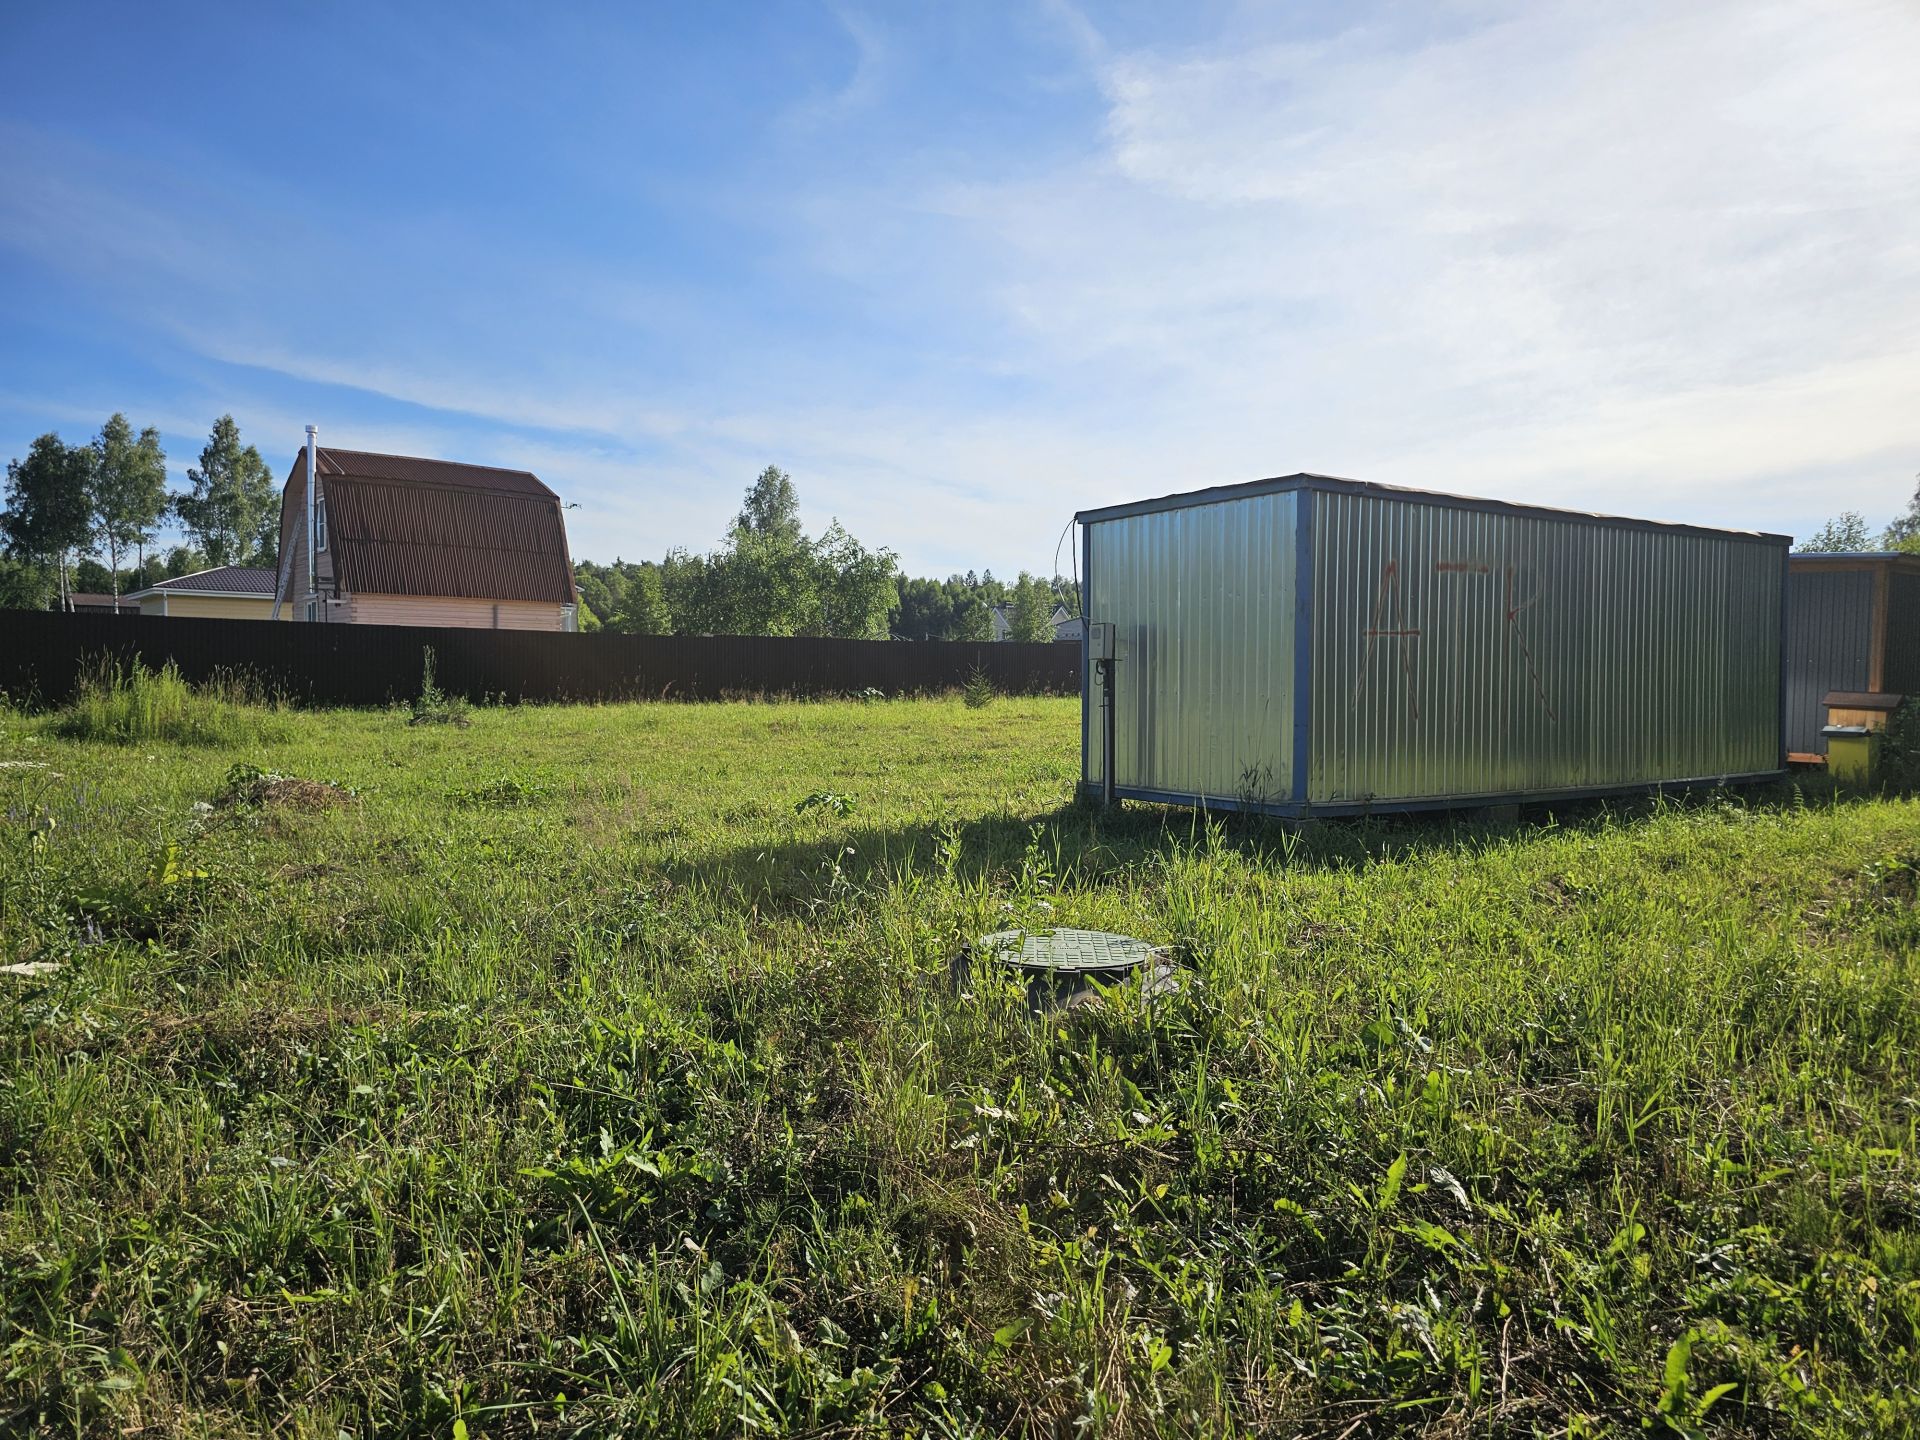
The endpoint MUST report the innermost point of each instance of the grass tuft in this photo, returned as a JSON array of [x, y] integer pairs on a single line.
[[135, 705]]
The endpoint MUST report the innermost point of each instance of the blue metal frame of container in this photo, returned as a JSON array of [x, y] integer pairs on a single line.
[[1302, 645], [1086, 645], [1786, 567], [1289, 810], [1306, 484]]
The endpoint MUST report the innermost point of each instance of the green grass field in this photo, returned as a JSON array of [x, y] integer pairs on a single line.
[[567, 1076]]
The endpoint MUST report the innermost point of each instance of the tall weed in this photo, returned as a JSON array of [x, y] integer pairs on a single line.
[[134, 705], [434, 706], [1900, 757]]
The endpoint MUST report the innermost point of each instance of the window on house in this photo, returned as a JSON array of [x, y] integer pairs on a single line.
[[320, 524], [312, 610]]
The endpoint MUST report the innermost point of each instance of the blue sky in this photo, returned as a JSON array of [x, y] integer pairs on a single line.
[[962, 269]]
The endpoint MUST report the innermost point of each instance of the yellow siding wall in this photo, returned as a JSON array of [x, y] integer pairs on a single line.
[[209, 607], [452, 610]]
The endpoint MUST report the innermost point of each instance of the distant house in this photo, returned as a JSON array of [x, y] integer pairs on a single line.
[[96, 602], [398, 540], [1065, 626], [226, 592]]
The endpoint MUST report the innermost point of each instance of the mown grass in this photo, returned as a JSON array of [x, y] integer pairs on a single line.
[[559, 1074]]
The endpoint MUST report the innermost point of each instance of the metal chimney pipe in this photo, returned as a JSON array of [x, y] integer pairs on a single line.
[[313, 580]]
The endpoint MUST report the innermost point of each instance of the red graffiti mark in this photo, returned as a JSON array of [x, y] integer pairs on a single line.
[[1388, 623], [1513, 610], [1526, 651]]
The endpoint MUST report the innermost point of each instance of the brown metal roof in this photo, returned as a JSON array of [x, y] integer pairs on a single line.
[[413, 470], [402, 525], [101, 600], [1861, 700]]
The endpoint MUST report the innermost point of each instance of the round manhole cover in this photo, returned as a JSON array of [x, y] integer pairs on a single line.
[[1068, 952], [1073, 968]]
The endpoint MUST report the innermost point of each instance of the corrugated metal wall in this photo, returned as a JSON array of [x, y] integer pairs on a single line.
[[1460, 653], [1203, 599], [1829, 647], [1903, 634]]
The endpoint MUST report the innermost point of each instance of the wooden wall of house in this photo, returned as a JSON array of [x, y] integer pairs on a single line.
[[452, 611]]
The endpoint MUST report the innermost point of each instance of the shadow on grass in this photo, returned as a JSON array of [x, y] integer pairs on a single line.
[[1081, 843]]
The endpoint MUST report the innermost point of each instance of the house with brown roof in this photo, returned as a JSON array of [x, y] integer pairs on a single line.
[[400, 540], [226, 592], [99, 602]]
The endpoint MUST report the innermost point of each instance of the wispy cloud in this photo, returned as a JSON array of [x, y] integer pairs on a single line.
[[863, 82], [569, 408], [1563, 249]]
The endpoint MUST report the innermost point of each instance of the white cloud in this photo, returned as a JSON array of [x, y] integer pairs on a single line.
[[456, 390], [1574, 253]]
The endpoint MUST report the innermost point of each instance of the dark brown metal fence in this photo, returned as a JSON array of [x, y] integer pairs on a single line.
[[41, 652]]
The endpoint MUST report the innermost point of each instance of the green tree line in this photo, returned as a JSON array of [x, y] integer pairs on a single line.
[[961, 607], [67, 506], [770, 578], [1849, 533]]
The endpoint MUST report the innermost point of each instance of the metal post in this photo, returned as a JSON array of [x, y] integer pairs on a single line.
[[313, 580], [1106, 733]]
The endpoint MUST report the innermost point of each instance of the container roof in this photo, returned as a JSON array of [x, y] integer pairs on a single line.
[[1220, 494], [1855, 560]]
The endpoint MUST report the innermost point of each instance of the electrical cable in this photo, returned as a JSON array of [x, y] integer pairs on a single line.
[[1074, 555]]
